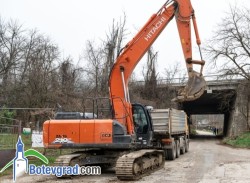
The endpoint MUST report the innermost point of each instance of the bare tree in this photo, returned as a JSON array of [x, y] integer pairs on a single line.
[[11, 47], [112, 48], [94, 57], [100, 59], [173, 74], [68, 75], [70, 84], [231, 43], [39, 67], [150, 75], [28, 60]]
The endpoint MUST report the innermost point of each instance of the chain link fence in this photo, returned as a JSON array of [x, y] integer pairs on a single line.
[[9, 131]]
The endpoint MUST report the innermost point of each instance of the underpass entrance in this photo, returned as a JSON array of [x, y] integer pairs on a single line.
[[214, 107], [207, 125]]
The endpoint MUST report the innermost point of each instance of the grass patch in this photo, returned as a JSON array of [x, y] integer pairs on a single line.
[[193, 132], [242, 141], [8, 171]]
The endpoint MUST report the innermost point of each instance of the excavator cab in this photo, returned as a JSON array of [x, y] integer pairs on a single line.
[[142, 124]]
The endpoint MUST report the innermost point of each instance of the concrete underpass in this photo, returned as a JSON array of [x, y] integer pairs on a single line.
[[219, 98]]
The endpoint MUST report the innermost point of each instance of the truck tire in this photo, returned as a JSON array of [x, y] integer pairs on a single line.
[[171, 153], [178, 149], [187, 145], [166, 154], [183, 148]]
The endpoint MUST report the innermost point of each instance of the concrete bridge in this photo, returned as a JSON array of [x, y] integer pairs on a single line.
[[228, 97], [222, 96]]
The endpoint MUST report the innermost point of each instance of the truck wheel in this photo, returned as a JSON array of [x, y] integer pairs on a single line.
[[183, 149], [187, 145], [166, 154], [171, 153], [178, 149]]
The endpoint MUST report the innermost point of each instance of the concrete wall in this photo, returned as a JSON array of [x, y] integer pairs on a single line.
[[240, 115], [248, 108]]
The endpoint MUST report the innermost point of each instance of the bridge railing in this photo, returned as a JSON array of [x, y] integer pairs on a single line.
[[210, 79]]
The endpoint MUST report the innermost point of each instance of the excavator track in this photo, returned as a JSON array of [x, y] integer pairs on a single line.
[[129, 166], [134, 165], [65, 160]]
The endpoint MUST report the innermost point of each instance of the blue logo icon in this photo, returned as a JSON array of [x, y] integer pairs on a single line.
[[20, 164], [20, 161]]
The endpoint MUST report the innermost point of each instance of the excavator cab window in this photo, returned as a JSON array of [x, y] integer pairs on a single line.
[[140, 119]]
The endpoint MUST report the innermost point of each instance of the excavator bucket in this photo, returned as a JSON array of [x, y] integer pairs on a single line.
[[193, 90]]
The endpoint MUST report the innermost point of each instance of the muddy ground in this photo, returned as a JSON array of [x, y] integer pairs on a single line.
[[207, 162]]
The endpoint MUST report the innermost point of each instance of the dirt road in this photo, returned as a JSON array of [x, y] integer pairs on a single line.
[[206, 162], [208, 133]]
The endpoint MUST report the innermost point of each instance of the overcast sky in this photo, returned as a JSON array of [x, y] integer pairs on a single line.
[[69, 23]]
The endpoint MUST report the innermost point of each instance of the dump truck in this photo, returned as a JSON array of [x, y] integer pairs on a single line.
[[172, 126]]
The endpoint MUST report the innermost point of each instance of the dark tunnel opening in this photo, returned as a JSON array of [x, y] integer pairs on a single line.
[[209, 105]]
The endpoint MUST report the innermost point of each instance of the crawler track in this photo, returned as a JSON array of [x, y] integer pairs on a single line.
[[65, 160], [134, 165], [129, 166]]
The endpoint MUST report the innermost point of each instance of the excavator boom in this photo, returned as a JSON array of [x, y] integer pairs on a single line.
[[183, 12]]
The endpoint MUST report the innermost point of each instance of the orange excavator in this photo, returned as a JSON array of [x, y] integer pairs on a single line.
[[117, 141]]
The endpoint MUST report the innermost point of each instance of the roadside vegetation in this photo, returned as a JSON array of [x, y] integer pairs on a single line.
[[242, 141]]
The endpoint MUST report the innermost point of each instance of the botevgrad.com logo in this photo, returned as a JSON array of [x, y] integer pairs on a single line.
[[20, 165], [64, 170]]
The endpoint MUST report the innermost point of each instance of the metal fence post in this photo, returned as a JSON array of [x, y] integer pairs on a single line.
[[20, 128]]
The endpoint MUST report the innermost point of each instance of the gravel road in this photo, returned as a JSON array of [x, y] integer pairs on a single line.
[[207, 162]]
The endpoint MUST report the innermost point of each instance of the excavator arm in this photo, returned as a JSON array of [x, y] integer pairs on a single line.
[[132, 53]]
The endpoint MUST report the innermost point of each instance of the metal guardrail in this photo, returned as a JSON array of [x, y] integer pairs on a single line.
[[210, 79]]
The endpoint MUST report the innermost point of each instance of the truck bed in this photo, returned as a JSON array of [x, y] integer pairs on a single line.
[[169, 121]]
